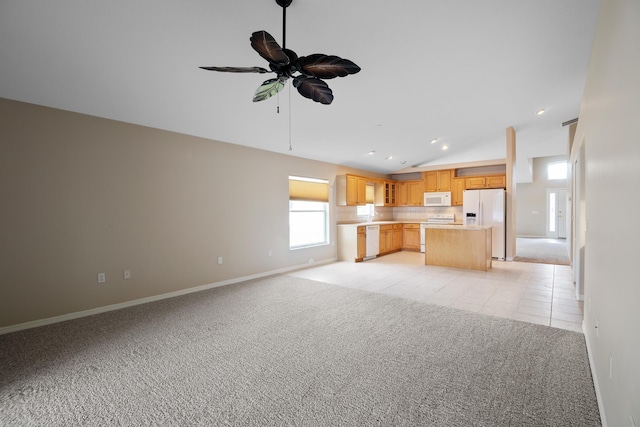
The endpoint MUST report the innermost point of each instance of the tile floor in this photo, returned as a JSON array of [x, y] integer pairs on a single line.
[[536, 293]]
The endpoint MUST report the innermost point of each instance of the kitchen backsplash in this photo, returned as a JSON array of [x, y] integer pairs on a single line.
[[350, 214], [418, 213]]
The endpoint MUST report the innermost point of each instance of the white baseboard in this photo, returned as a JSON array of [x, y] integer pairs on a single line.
[[594, 374], [104, 309]]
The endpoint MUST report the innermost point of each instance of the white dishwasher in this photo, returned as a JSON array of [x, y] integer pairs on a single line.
[[373, 241]]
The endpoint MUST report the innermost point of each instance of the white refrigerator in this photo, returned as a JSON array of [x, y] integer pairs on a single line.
[[487, 207]]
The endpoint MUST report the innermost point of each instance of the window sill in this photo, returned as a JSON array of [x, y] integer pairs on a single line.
[[309, 246]]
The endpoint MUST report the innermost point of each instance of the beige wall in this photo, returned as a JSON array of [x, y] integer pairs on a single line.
[[82, 195], [608, 131], [532, 198]]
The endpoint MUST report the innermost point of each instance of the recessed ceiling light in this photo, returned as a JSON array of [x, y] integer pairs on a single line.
[[404, 162], [388, 158], [540, 112], [371, 153], [433, 141], [444, 147]]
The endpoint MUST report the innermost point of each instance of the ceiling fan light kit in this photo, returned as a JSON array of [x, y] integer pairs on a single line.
[[308, 72]]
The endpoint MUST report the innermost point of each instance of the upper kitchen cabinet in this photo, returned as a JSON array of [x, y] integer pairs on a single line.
[[437, 180], [385, 193], [409, 193], [351, 190], [458, 185], [494, 181], [498, 181]]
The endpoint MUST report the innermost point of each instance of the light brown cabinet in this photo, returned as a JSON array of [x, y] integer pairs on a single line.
[[409, 193], [362, 243], [458, 185], [397, 237], [351, 190], [493, 181], [411, 237], [402, 194], [468, 248], [385, 194], [415, 192], [498, 181], [437, 180], [386, 238]]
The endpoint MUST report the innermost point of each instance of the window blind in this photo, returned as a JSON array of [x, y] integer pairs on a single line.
[[309, 189]]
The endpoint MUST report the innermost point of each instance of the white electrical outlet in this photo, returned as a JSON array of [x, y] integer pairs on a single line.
[[126, 274], [270, 252], [102, 277], [219, 260]]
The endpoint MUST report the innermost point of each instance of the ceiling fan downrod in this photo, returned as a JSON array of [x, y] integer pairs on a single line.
[[284, 4]]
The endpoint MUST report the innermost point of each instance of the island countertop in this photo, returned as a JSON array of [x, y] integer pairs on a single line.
[[459, 226]]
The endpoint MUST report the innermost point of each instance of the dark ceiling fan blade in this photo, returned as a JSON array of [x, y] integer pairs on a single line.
[[326, 66], [238, 69], [313, 88], [269, 88], [263, 43]]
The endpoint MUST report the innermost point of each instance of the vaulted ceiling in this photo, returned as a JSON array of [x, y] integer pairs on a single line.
[[457, 71]]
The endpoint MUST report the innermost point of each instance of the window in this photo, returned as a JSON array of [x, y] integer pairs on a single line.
[[368, 209], [557, 170], [365, 210], [308, 212]]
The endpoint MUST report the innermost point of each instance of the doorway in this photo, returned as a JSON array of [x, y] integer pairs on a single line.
[[579, 221], [557, 213]]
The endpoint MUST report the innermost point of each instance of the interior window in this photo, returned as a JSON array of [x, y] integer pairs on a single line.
[[557, 170]]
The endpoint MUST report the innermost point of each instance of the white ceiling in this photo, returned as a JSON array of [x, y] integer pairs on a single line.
[[460, 71]]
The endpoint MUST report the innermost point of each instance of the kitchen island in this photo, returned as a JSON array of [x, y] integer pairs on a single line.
[[458, 246]]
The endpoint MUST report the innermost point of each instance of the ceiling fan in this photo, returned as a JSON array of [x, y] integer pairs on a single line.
[[307, 72]]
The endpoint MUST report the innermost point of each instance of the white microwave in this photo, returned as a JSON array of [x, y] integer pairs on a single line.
[[440, 198]]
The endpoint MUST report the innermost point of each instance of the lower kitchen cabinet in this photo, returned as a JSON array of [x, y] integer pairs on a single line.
[[362, 242], [386, 238], [352, 242], [411, 237], [397, 237], [394, 237]]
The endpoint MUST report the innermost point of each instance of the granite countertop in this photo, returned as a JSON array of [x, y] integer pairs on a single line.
[[399, 221], [379, 222], [460, 226]]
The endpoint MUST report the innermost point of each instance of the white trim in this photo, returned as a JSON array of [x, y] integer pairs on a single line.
[[126, 304], [596, 386]]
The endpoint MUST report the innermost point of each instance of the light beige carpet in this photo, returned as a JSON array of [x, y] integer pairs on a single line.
[[290, 351], [541, 250]]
